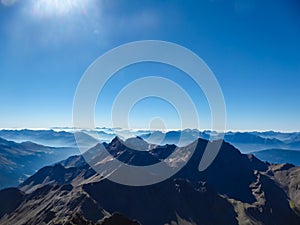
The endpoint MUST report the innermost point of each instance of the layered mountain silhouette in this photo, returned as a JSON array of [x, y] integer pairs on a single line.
[[279, 156], [246, 142], [49, 137], [20, 160], [235, 189]]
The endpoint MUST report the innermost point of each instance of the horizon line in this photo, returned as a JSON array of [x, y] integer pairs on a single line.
[[64, 128]]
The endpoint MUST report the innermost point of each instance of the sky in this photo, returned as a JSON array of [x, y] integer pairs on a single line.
[[252, 47]]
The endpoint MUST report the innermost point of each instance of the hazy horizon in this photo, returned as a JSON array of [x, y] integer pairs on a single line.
[[63, 128]]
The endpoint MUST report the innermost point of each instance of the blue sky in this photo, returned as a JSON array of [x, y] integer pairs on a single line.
[[252, 47]]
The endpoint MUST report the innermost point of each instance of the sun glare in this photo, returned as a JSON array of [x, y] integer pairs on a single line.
[[58, 7]]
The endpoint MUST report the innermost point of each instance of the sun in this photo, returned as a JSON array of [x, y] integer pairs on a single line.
[[58, 7]]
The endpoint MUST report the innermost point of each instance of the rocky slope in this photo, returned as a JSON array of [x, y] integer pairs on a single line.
[[20, 160], [235, 189]]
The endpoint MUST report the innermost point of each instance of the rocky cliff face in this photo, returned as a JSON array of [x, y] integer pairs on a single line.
[[235, 189]]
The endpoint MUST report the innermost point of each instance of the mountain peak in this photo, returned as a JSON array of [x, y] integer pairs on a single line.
[[116, 139]]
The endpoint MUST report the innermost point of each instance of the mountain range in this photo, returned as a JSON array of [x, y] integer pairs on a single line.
[[49, 137], [23, 152], [279, 156], [245, 141], [235, 189], [20, 160]]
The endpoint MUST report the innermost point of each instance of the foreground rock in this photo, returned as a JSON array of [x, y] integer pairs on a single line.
[[235, 189]]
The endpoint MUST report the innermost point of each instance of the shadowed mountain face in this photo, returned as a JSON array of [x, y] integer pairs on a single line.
[[235, 189], [20, 160], [11, 198]]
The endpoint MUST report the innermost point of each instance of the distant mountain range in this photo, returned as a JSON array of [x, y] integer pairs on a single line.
[[49, 137], [279, 156], [245, 141], [20, 160], [235, 189], [23, 152]]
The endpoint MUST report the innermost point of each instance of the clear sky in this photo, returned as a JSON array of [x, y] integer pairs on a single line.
[[252, 47]]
